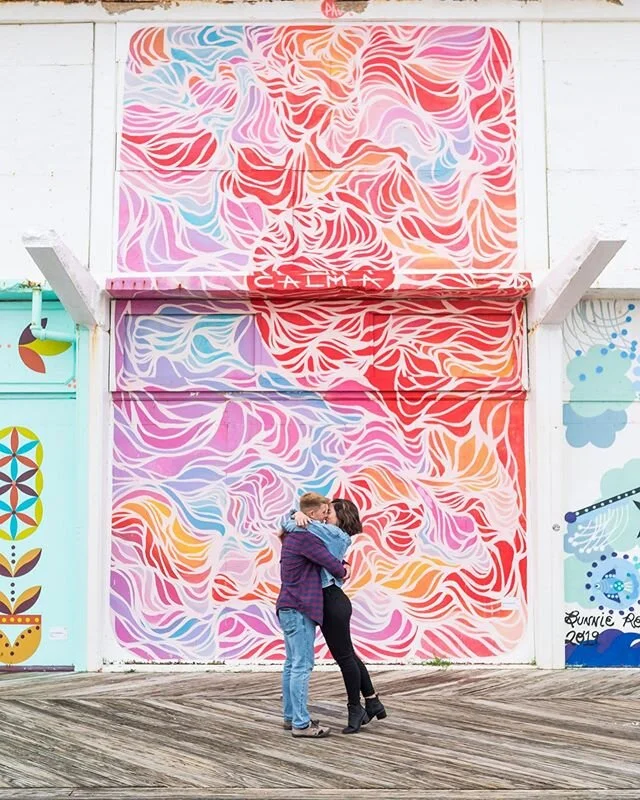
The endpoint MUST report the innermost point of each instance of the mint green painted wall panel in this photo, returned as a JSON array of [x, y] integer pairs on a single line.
[[39, 536], [42, 581], [30, 365]]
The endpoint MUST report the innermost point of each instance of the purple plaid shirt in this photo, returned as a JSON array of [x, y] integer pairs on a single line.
[[302, 556]]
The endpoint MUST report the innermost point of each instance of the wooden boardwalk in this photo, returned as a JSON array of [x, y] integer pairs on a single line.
[[454, 734]]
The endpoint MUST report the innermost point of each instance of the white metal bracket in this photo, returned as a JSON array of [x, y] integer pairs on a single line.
[[78, 291], [561, 288]]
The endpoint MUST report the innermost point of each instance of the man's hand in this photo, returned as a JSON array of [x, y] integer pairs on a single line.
[[347, 566], [301, 520]]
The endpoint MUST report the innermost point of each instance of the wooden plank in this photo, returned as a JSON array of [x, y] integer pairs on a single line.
[[181, 793], [486, 734], [426, 681]]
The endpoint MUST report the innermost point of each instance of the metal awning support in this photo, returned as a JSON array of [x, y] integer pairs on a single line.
[[548, 305], [559, 291], [86, 303]]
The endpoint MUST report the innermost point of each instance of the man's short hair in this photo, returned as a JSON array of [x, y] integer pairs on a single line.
[[310, 501]]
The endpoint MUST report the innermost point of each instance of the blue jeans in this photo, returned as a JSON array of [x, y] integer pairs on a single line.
[[299, 638]]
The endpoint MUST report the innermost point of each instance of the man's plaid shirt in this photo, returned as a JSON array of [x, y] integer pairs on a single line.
[[302, 556]]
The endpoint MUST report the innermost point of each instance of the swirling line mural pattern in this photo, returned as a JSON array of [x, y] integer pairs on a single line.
[[359, 152], [226, 410], [283, 160]]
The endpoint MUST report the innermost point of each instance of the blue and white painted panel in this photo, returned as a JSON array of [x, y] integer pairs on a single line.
[[602, 482]]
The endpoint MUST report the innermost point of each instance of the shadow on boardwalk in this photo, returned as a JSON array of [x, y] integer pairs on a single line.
[[459, 734]]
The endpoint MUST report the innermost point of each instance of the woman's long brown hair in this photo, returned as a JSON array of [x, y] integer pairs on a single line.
[[348, 516]]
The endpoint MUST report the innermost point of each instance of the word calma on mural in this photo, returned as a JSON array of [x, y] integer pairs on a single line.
[[316, 281]]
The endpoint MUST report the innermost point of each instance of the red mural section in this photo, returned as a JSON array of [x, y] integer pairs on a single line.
[[278, 154]]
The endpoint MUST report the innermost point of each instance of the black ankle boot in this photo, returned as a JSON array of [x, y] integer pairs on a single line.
[[357, 717], [375, 708]]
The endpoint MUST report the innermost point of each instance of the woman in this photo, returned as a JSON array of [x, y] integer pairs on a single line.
[[343, 522]]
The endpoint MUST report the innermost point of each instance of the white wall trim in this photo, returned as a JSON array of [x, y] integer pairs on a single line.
[[99, 488], [531, 121], [102, 246], [546, 557], [103, 151], [309, 10]]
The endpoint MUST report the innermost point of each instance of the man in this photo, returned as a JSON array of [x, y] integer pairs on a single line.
[[299, 608]]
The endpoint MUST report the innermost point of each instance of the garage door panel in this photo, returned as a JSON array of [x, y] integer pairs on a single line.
[[226, 411], [442, 505], [405, 347]]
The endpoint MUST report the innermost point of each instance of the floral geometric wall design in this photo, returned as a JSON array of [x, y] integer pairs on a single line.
[[32, 350], [224, 411], [20, 516], [358, 151], [602, 553], [20, 483]]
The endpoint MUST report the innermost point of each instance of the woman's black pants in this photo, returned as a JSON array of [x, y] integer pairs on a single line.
[[337, 634]]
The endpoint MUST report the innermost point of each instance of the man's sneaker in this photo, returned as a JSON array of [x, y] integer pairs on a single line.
[[313, 731], [288, 726]]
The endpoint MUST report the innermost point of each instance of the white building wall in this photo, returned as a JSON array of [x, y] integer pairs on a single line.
[[586, 78], [592, 74], [45, 139]]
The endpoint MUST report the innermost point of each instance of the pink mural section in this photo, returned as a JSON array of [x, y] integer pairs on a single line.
[[225, 411], [276, 156], [317, 273]]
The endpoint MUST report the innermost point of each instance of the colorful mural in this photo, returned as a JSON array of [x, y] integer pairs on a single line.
[[20, 517], [225, 411], [602, 561], [369, 164], [275, 155]]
